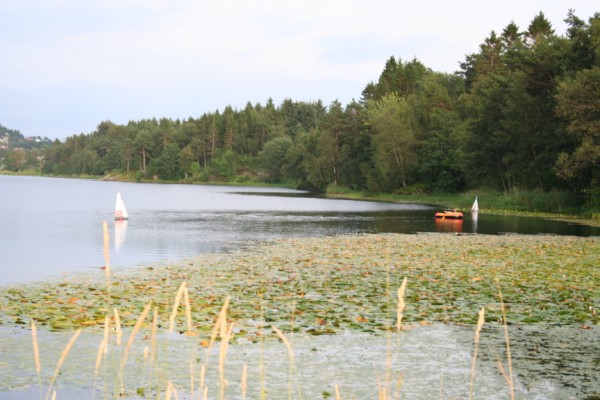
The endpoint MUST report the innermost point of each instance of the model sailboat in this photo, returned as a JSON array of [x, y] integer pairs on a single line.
[[120, 210], [475, 207]]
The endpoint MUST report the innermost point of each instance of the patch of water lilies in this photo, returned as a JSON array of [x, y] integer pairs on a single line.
[[331, 285]]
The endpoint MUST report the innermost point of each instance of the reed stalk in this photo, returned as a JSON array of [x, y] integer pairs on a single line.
[[106, 252], [225, 337], [244, 383], [103, 347], [480, 322], [36, 350], [202, 384], [399, 382], [219, 328], [171, 391], [338, 396], [292, 371], [153, 343], [192, 377], [36, 356], [508, 377], [188, 309], [119, 331], [61, 360], [136, 329]]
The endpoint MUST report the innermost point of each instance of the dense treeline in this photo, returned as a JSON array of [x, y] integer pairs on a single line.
[[522, 113]]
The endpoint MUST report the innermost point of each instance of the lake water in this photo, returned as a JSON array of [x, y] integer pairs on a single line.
[[52, 226]]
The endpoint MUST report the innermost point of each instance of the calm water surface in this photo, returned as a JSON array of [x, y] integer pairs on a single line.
[[50, 226]]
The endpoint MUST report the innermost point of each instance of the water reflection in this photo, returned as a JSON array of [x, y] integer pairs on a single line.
[[474, 216], [170, 222], [448, 225], [120, 233]]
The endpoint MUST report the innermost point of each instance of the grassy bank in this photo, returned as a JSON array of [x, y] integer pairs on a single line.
[[313, 287]]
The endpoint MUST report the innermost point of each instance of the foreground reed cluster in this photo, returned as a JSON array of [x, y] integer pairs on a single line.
[[113, 356], [177, 331]]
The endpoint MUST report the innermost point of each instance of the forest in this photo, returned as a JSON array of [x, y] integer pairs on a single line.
[[522, 113]]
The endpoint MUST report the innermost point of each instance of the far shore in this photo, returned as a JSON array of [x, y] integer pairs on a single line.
[[460, 201]]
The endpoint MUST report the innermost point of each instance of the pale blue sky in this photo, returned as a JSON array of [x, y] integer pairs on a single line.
[[67, 65]]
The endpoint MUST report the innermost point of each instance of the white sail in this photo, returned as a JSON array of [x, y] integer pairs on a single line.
[[475, 207], [120, 210]]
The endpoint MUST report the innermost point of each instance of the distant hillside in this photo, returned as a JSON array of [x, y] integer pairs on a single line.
[[10, 139], [10, 134]]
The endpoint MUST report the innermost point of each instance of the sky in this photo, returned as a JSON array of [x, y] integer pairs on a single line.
[[67, 65]]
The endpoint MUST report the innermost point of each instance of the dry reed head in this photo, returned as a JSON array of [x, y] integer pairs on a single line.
[[61, 360], [220, 325], [182, 292], [282, 337], [136, 329], [176, 306], [480, 322], [226, 336], [103, 348], [401, 305]]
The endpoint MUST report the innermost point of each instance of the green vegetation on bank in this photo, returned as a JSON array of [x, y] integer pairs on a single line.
[[552, 204], [519, 118]]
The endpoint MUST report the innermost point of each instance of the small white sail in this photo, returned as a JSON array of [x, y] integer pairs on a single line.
[[120, 210], [475, 207]]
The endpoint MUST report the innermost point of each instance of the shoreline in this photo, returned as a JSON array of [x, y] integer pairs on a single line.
[[453, 201]]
